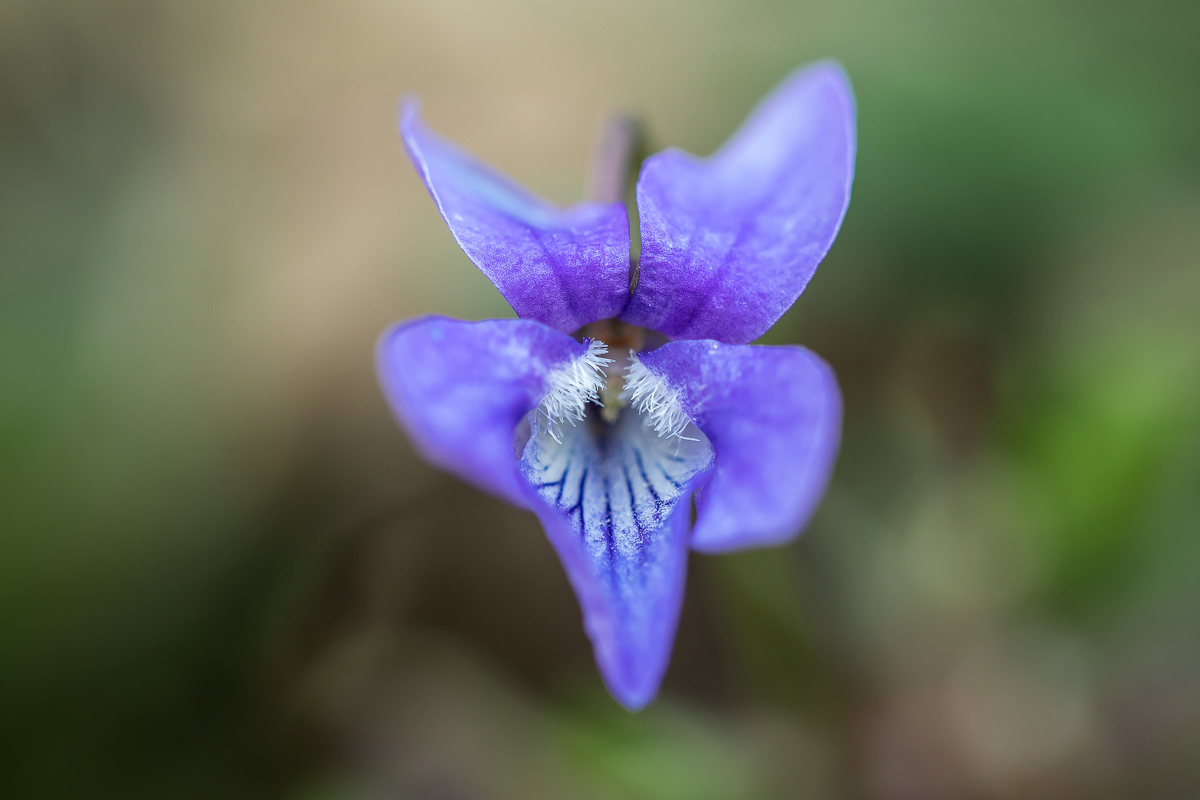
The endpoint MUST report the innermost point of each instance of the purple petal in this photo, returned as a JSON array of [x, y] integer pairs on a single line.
[[615, 504], [729, 242], [774, 417], [562, 267], [461, 388]]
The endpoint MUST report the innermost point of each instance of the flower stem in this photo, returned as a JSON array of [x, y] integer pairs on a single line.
[[617, 158], [617, 155]]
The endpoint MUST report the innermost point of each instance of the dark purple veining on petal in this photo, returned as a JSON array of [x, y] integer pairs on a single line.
[[728, 243], [615, 503], [614, 499], [461, 388]]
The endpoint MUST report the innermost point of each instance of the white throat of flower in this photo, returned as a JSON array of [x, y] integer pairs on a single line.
[[572, 386], [582, 380], [655, 400]]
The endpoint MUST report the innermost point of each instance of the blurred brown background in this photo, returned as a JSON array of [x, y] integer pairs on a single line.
[[224, 573]]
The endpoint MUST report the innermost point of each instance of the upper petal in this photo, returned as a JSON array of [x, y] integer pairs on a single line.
[[729, 242], [563, 267], [461, 388], [774, 418]]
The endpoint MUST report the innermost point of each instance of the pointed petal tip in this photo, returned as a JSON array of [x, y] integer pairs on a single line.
[[826, 70], [633, 686], [633, 700], [619, 519], [754, 219], [408, 112], [562, 267], [832, 72]]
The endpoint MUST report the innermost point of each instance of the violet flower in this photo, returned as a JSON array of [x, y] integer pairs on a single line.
[[604, 438]]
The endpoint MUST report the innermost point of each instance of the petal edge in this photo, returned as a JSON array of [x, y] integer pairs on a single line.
[[730, 241], [773, 415], [461, 388], [562, 267]]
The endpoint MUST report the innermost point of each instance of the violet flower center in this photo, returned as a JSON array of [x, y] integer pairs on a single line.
[[612, 449]]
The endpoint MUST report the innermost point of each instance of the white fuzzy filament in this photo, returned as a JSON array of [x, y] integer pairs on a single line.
[[655, 400], [571, 387]]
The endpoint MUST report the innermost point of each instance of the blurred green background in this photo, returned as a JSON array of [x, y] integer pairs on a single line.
[[224, 572]]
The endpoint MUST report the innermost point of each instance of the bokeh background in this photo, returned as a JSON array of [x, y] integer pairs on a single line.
[[225, 573]]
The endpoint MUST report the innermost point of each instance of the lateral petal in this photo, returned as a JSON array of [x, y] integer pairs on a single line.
[[774, 418], [461, 388], [562, 267], [730, 241]]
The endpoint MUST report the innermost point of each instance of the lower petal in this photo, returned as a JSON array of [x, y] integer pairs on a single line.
[[774, 417], [614, 501]]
